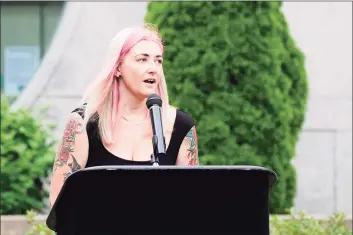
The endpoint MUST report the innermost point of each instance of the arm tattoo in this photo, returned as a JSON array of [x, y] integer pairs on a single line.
[[192, 149], [66, 148], [74, 166]]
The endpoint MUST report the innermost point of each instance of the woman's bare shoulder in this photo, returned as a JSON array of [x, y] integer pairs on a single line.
[[171, 115], [172, 111]]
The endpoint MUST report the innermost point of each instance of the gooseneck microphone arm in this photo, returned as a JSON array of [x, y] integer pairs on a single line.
[[154, 104]]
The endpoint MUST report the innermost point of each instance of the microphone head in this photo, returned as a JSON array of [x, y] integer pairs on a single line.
[[153, 99]]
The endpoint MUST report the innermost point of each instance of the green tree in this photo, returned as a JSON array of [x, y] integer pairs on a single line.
[[26, 158], [235, 68]]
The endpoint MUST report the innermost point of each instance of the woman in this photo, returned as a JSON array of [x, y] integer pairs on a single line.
[[113, 126]]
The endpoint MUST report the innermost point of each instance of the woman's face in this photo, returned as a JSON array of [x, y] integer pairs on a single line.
[[141, 69]]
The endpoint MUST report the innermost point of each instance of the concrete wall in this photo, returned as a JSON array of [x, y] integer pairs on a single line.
[[322, 30], [324, 153]]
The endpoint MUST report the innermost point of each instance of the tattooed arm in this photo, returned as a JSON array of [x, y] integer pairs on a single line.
[[71, 156], [188, 152]]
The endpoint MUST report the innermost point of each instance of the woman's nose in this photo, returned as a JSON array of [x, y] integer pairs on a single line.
[[152, 68]]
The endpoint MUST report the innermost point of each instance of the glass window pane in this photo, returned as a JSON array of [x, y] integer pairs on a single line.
[[20, 38], [52, 15]]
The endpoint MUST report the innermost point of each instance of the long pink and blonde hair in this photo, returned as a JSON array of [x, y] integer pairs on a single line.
[[102, 96]]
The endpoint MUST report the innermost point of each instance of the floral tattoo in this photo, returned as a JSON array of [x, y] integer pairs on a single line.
[[66, 148], [192, 155]]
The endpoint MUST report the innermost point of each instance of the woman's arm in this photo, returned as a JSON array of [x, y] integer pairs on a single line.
[[71, 156], [188, 152]]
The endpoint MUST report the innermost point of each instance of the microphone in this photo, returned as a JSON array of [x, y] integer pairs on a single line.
[[154, 104]]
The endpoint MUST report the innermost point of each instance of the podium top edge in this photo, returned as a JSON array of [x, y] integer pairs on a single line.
[[200, 167]]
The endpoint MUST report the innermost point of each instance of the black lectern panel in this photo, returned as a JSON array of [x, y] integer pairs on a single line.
[[142, 200]]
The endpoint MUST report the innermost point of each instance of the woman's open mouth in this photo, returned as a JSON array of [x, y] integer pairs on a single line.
[[150, 81]]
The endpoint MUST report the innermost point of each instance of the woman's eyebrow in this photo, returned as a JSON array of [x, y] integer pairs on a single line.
[[145, 54]]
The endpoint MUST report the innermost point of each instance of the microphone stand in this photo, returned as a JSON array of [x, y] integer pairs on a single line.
[[154, 156], [154, 160]]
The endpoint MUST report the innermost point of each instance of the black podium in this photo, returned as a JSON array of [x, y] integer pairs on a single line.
[[173, 200]]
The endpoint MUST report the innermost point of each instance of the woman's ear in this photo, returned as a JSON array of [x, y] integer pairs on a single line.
[[117, 72]]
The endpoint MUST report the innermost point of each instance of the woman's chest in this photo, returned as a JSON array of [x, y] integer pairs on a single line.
[[133, 143]]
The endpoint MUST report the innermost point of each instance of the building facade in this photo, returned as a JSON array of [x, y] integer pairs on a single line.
[[26, 32]]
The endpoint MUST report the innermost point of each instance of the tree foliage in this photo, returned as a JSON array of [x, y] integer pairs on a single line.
[[234, 67]]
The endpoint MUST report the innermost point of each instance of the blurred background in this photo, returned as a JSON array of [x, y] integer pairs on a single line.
[[279, 88]]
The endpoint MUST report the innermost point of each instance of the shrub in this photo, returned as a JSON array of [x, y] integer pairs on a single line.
[[37, 228], [234, 67], [26, 157], [302, 224]]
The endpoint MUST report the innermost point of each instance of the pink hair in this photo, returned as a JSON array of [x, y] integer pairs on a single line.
[[103, 96], [136, 37]]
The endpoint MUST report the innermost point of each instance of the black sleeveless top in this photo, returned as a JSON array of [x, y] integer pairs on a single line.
[[98, 155]]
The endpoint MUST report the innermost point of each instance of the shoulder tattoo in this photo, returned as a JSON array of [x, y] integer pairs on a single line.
[[66, 148], [192, 151]]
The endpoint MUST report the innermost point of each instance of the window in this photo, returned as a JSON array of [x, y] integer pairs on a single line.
[[27, 29]]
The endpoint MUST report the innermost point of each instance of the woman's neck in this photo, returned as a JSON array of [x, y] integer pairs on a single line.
[[130, 108]]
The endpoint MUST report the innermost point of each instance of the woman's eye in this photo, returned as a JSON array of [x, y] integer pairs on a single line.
[[145, 59]]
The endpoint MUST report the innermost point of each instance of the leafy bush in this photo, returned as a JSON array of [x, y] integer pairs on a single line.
[[26, 157], [37, 228], [302, 224], [234, 67]]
